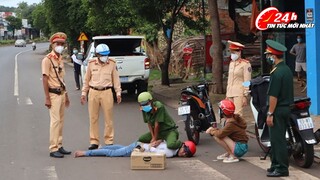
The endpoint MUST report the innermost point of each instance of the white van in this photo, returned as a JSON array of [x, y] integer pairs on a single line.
[[132, 63]]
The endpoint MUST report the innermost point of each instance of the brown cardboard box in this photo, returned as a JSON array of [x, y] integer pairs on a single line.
[[148, 160]]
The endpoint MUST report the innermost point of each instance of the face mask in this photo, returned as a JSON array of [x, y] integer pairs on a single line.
[[75, 51], [59, 49], [104, 58], [299, 40], [146, 108], [234, 56], [270, 60]]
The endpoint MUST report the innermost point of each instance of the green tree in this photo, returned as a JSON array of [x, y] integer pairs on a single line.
[[24, 11], [40, 20], [110, 17], [163, 14], [77, 17], [57, 15], [14, 23]]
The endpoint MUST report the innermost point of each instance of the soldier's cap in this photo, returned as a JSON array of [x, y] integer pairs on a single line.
[[273, 47], [58, 37], [235, 45]]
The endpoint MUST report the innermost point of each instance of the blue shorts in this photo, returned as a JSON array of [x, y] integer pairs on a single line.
[[240, 149]]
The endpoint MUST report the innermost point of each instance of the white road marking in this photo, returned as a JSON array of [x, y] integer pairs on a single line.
[[51, 173], [16, 77], [199, 170], [27, 101], [294, 173]]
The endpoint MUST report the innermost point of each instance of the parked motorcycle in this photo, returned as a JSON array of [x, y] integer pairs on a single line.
[[196, 107], [299, 135]]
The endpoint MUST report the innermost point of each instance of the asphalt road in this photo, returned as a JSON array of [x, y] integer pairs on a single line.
[[24, 132]]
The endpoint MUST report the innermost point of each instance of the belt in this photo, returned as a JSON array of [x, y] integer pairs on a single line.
[[56, 90], [101, 89]]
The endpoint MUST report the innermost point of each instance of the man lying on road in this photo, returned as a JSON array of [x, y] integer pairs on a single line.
[[187, 149]]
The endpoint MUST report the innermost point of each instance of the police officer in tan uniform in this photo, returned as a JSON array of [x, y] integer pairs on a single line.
[[239, 72], [100, 78], [56, 95]]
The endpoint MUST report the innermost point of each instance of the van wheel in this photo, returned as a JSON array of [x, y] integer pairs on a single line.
[[142, 86]]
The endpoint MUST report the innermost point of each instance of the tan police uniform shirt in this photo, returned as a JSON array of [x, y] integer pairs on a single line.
[[100, 75], [48, 69], [239, 72]]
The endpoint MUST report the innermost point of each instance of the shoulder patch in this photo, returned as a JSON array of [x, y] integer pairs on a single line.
[[92, 60], [112, 60], [245, 60]]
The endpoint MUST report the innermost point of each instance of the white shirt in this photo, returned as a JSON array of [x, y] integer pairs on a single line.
[[74, 59], [162, 148]]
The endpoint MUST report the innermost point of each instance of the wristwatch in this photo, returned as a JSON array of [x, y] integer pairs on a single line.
[[269, 114]]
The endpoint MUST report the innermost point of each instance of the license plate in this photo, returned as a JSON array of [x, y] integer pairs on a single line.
[[305, 123], [182, 110], [123, 79]]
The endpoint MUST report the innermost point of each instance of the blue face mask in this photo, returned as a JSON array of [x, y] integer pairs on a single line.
[[146, 108], [270, 60], [299, 40]]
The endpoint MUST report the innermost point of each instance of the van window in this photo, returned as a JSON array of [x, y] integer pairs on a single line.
[[123, 47]]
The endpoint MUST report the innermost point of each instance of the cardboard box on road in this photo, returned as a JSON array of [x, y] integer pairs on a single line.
[[148, 160]]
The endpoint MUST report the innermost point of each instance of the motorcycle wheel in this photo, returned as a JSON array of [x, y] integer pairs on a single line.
[[264, 148], [192, 133], [303, 153]]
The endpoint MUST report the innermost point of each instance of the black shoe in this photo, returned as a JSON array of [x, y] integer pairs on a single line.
[[63, 151], [93, 146], [269, 170], [275, 173], [56, 154]]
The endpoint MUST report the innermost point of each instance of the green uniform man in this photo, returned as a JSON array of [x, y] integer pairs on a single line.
[[160, 123], [280, 97]]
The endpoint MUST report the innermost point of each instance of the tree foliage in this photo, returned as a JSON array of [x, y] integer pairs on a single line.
[[110, 17], [162, 16], [14, 23], [40, 19]]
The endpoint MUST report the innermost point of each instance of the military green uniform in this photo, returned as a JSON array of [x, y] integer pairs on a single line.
[[281, 87], [167, 130]]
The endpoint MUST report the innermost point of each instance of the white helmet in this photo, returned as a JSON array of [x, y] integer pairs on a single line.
[[103, 49]]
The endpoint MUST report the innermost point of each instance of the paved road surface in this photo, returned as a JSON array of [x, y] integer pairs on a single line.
[[24, 132]]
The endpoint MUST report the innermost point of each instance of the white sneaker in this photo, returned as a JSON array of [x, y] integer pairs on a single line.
[[230, 159], [223, 156]]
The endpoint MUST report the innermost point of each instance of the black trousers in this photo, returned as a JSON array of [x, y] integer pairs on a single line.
[[77, 74]]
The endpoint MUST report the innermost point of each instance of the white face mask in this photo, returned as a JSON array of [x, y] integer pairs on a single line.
[[104, 58], [58, 49], [234, 56]]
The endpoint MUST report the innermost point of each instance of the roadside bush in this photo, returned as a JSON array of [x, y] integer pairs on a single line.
[[6, 42]]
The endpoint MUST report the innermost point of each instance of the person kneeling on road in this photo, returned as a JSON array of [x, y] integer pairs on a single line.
[[160, 123], [187, 149], [232, 137]]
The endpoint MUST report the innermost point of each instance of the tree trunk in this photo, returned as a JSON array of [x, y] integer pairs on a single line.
[[217, 63], [165, 65]]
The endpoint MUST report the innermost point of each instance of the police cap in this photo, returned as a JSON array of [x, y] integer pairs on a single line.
[[58, 37]]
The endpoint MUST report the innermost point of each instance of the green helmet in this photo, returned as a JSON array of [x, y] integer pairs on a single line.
[[144, 97]]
